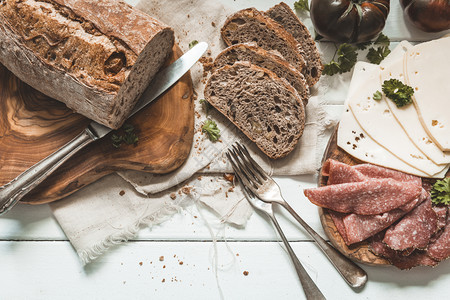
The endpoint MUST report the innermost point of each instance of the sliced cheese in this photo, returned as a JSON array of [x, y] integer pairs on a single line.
[[376, 119], [408, 118], [355, 141], [428, 71]]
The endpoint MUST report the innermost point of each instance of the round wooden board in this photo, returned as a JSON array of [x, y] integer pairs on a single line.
[[32, 126], [358, 252]]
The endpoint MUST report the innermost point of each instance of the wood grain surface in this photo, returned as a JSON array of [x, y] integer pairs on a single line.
[[360, 251], [32, 126]]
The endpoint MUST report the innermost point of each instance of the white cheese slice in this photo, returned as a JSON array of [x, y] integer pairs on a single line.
[[376, 119], [355, 141], [408, 118], [428, 72]]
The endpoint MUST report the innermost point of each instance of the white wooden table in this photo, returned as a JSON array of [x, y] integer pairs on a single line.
[[38, 262]]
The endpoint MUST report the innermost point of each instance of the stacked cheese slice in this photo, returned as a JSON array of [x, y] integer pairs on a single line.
[[415, 138]]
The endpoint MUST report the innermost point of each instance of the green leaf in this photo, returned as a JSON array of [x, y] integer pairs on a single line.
[[331, 68], [363, 46], [399, 93], [376, 56], [301, 5], [128, 128], [382, 40], [347, 57], [192, 44], [377, 96], [210, 128], [440, 193], [205, 105]]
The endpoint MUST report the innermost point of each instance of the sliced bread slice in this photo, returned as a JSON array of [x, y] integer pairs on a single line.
[[284, 15], [265, 107], [258, 56], [250, 25]]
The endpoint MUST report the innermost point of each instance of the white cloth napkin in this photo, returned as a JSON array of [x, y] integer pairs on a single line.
[[112, 210]]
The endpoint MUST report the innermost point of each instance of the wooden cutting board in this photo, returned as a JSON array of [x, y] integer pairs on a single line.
[[32, 126], [360, 251]]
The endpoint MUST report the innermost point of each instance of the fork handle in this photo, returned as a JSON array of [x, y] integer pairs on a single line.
[[309, 287], [350, 271]]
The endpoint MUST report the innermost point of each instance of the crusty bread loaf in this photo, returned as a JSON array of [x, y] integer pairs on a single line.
[[284, 15], [97, 56], [250, 25], [256, 55], [265, 107]]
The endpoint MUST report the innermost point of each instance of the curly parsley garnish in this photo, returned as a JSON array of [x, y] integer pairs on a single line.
[[301, 5], [399, 93], [205, 105], [440, 194], [210, 128], [346, 59]]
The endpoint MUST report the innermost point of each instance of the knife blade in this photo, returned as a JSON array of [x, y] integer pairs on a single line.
[[16, 189]]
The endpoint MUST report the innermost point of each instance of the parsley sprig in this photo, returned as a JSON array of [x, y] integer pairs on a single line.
[[346, 55], [211, 129], [126, 135], [398, 92], [301, 5], [440, 193]]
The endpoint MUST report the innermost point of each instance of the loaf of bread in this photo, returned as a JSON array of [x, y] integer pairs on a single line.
[[265, 107], [250, 25], [96, 56], [284, 15], [256, 55]]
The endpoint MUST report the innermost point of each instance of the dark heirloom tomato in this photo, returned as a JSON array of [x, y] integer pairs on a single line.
[[428, 15], [349, 21]]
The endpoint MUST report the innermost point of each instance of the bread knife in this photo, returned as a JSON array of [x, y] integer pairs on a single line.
[[16, 189]]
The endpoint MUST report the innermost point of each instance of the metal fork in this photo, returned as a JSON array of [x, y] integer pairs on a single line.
[[265, 188], [311, 290]]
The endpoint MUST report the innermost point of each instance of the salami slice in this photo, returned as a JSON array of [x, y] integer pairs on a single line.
[[440, 249], [441, 212], [369, 197], [414, 259], [338, 172], [338, 219], [373, 171], [414, 230]]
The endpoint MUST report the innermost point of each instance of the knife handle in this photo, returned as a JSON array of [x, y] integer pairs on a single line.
[[16, 189]]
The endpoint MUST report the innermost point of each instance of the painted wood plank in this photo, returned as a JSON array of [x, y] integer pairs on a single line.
[[50, 270]]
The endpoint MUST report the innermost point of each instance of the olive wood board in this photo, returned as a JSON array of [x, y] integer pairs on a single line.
[[32, 126], [358, 252]]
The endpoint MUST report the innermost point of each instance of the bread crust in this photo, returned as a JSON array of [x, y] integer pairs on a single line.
[[289, 41], [88, 54], [300, 81], [306, 43], [274, 77]]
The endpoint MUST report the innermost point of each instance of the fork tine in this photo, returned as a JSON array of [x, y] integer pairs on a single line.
[[254, 164], [237, 170], [243, 166], [247, 165]]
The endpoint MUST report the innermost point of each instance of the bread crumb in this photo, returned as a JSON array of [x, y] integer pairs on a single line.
[[228, 177], [163, 280], [140, 263], [213, 24], [161, 258], [180, 263], [173, 196], [245, 273], [122, 192]]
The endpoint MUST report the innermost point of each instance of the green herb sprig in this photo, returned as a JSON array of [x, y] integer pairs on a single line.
[[440, 193], [400, 93], [125, 135], [192, 44], [301, 5], [376, 55], [346, 59], [206, 106], [211, 129]]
